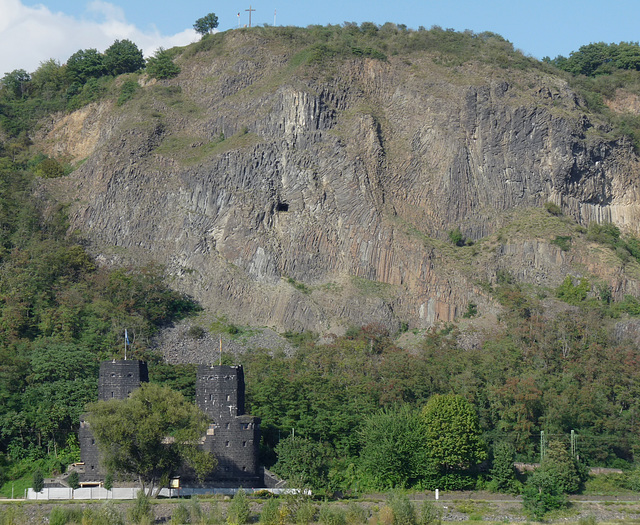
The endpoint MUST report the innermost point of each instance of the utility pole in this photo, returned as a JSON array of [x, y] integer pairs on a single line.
[[274, 17], [573, 444], [250, 10], [543, 446]]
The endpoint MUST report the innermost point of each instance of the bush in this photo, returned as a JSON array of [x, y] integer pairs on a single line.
[[141, 511], [239, 511], [305, 512], [402, 509], [74, 480], [107, 514], [38, 481], [181, 514], [127, 91], [329, 515], [429, 514], [161, 65], [540, 496], [270, 514], [456, 237], [356, 515], [563, 242], [63, 515], [503, 473], [553, 209]]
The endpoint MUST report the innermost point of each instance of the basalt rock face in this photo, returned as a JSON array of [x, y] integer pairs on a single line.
[[316, 197]]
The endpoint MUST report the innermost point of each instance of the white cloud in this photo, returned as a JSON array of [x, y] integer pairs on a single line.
[[32, 35]]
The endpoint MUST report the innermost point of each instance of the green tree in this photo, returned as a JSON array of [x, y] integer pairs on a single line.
[[38, 480], [49, 79], [456, 237], [559, 474], [123, 56], [74, 480], [503, 473], [150, 434], [303, 460], [161, 65], [206, 24], [85, 64], [566, 473], [239, 511], [393, 452], [15, 84], [452, 432]]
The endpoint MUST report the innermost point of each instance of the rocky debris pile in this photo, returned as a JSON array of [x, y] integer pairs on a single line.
[[188, 342]]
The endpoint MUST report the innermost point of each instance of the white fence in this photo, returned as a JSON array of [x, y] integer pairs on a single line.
[[100, 493]]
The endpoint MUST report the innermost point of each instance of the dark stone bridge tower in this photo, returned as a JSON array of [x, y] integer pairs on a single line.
[[116, 381], [234, 436]]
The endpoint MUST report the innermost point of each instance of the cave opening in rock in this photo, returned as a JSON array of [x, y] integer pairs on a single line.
[[282, 206]]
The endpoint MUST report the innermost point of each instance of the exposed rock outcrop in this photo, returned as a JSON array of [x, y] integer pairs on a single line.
[[303, 198]]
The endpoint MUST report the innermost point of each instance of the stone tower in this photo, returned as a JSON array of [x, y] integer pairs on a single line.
[[233, 437], [117, 380]]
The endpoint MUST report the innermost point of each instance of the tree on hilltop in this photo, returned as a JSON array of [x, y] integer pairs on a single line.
[[123, 56], [206, 24]]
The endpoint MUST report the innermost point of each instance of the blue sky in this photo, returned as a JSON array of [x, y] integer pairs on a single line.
[[32, 31]]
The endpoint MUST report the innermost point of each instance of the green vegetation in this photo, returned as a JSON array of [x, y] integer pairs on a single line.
[[161, 65], [366, 413], [60, 316], [131, 432], [206, 24]]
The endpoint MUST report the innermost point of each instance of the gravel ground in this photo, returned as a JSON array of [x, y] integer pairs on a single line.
[[455, 507], [178, 346]]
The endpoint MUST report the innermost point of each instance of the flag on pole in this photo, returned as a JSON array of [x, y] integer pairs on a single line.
[[126, 337]]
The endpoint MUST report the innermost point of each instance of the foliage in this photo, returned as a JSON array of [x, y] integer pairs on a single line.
[[206, 24], [49, 169], [452, 432], [141, 511], [132, 434], [15, 84], [393, 448], [472, 311], [573, 294], [599, 58], [270, 514], [503, 473], [74, 480], [61, 515], [553, 208], [429, 514], [85, 64], [331, 515], [38, 481], [181, 514], [108, 481], [563, 242], [123, 56], [559, 474], [540, 496], [402, 509], [127, 91], [239, 511], [355, 514], [302, 459], [106, 514], [565, 472], [456, 237], [161, 65]]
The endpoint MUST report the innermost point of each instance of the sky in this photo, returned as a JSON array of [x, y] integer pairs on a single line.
[[32, 31]]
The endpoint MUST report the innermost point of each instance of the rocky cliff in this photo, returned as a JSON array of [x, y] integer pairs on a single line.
[[299, 194]]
